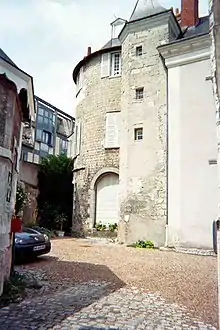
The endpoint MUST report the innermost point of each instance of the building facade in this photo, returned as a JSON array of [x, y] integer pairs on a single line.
[[16, 109], [50, 133], [145, 153]]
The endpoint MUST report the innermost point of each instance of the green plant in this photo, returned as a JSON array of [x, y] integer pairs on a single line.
[[13, 288], [144, 244], [55, 192], [21, 198], [60, 219], [100, 227], [113, 227]]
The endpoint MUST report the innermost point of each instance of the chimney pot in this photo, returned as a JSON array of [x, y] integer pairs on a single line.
[[189, 12], [89, 51]]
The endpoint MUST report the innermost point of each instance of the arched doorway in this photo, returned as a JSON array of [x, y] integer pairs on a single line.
[[107, 200]]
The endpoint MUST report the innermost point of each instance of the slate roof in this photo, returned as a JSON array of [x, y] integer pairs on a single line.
[[112, 43], [201, 28], [6, 58], [145, 8]]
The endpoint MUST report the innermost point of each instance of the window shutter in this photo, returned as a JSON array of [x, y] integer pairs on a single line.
[[105, 65], [112, 130], [75, 139], [78, 137]]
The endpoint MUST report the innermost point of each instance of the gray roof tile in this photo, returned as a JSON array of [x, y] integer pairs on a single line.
[[201, 28], [6, 58]]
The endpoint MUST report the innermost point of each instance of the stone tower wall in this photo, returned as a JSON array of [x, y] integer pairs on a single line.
[[97, 97]]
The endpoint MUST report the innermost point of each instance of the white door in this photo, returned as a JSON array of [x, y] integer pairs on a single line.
[[107, 204]]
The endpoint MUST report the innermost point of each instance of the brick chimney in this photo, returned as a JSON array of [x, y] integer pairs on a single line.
[[89, 51], [189, 12]]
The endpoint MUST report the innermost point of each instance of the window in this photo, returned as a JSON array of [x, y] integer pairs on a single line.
[[63, 146], [45, 119], [115, 64], [77, 138], [139, 51], [24, 155], [39, 134], [140, 93], [44, 147], [112, 130], [44, 136], [138, 133]]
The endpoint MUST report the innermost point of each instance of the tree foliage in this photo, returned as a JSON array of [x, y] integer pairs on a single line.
[[55, 192], [21, 198]]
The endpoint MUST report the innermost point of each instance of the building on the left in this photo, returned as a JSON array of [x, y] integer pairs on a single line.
[[30, 129], [17, 107]]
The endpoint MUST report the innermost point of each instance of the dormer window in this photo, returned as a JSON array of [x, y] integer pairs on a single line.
[[115, 64]]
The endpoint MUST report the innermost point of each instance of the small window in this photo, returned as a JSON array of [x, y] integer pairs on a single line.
[[46, 137], [115, 64], [63, 146], [39, 134], [139, 51], [40, 111], [138, 133], [24, 156], [140, 93]]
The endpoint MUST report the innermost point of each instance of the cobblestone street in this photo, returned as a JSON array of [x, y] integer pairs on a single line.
[[112, 293]]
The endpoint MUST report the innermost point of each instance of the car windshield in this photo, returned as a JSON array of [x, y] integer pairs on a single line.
[[29, 231]]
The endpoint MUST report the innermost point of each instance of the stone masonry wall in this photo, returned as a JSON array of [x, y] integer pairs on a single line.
[[143, 163], [99, 95]]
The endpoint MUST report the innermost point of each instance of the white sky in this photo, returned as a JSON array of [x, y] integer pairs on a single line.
[[47, 38]]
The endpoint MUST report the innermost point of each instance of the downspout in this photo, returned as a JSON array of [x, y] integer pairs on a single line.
[[167, 147]]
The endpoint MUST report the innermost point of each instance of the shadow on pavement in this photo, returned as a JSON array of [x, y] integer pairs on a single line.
[[77, 289]]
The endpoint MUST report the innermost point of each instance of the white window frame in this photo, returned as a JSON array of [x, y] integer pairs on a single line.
[[115, 72], [138, 133]]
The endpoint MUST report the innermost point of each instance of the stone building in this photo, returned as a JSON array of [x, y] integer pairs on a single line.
[[15, 109], [145, 154]]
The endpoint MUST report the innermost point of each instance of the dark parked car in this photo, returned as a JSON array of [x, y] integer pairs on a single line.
[[30, 243]]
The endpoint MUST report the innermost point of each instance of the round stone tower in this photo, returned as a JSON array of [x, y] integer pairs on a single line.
[[96, 166]]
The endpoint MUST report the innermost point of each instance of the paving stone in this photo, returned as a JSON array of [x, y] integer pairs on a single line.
[[93, 306]]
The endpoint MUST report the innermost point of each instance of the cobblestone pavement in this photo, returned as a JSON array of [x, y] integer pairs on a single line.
[[97, 306]]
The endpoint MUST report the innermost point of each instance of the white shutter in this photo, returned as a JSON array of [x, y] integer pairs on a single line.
[[78, 139], [112, 130], [75, 139], [105, 65]]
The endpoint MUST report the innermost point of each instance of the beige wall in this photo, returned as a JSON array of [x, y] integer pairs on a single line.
[[142, 163], [193, 188]]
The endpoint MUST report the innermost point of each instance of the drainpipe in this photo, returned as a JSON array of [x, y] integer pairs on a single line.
[[167, 146], [167, 150]]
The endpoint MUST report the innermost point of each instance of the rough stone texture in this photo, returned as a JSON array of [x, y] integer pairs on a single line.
[[98, 96], [87, 284], [143, 163], [92, 306], [11, 132]]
